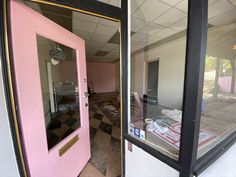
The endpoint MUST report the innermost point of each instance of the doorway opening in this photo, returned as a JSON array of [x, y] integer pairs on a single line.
[[152, 82], [102, 45]]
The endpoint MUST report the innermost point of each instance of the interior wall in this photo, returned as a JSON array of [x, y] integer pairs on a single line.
[[171, 72], [138, 163], [117, 76], [138, 74], [8, 167], [65, 71], [102, 77]]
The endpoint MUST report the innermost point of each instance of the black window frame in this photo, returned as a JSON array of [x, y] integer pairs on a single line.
[[188, 164]]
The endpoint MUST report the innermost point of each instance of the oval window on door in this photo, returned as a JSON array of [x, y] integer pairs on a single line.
[[59, 85]]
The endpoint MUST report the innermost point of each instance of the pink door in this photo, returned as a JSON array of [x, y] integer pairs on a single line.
[[63, 157]]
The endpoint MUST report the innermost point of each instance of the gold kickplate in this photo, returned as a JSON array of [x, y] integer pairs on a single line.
[[68, 145]]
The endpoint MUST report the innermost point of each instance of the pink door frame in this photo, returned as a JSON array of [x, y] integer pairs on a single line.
[[25, 25]]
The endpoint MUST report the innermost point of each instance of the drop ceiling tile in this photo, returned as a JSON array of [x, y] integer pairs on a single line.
[[212, 1], [233, 2], [135, 4], [83, 35], [115, 39], [137, 24], [99, 37], [167, 32], [82, 25], [85, 17], [139, 37], [135, 47], [153, 38], [101, 53], [91, 51], [171, 2], [109, 47], [218, 8], [110, 57], [115, 3], [180, 25], [104, 1], [223, 19], [183, 5], [93, 43], [150, 10], [151, 28], [109, 23], [105, 30], [142, 43], [170, 17]]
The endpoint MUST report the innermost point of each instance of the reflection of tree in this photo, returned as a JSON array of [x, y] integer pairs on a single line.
[[222, 68], [226, 67], [210, 63]]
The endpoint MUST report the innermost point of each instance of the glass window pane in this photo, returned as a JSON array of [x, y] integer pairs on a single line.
[[59, 89], [218, 118], [158, 47]]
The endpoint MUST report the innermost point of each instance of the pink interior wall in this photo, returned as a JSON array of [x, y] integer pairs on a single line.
[[103, 76], [65, 71]]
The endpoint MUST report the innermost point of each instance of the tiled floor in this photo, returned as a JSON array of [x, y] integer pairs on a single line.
[[105, 137], [105, 134], [62, 124]]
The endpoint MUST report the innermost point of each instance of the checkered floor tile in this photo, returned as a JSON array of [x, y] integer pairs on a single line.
[[104, 137], [62, 125], [105, 134]]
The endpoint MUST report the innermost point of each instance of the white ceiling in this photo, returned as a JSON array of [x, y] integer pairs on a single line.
[[151, 20], [112, 2], [96, 32]]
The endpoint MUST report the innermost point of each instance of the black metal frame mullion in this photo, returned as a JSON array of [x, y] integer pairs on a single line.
[[124, 74], [193, 85]]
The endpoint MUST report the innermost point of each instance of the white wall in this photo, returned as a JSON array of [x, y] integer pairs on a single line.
[[171, 72], [138, 163], [8, 165], [224, 166], [137, 74]]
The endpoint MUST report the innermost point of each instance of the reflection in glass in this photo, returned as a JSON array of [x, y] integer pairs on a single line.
[[218, 116], [59, 84], [158, 47]]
